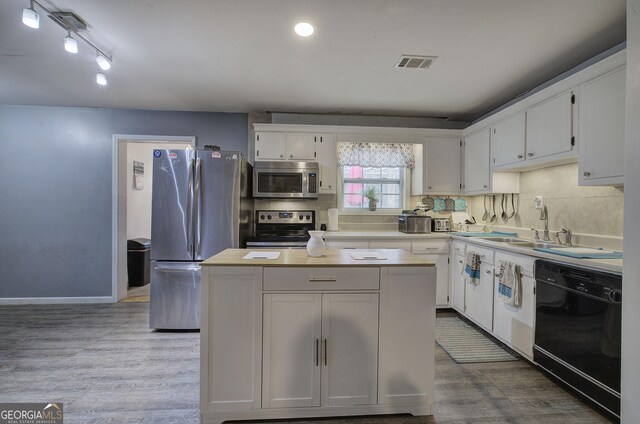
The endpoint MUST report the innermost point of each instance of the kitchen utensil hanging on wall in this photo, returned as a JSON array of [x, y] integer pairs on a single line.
[[503, 204], [438, 204], [449, 204], [428, 202], [461, 205], [486, 211], [513, 207], [493, 207]]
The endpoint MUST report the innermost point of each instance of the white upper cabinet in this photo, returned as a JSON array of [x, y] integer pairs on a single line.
[[550, 127], [328, 164], [477, 172], [508, 141], [301, 146], [601, 129], [286, 146], [270, 146], [438, 167]]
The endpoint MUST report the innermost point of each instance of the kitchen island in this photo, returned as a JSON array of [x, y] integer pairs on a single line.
[[300, 337]]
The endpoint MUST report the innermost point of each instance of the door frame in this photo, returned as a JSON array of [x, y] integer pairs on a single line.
[[119, 203]]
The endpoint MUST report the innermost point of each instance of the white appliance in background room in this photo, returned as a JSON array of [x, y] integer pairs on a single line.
[[201, 205]]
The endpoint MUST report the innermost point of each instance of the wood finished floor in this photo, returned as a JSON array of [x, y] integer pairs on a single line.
[[105, 364]]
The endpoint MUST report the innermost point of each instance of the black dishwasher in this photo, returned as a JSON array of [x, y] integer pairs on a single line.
[[578, 330]]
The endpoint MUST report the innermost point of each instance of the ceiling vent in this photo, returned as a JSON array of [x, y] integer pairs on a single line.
[[415, 62], [69, 21]]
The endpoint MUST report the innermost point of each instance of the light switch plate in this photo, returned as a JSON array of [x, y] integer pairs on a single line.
[[538, 202]]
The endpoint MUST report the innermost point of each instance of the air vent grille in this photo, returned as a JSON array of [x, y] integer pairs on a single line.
[[415, 62]]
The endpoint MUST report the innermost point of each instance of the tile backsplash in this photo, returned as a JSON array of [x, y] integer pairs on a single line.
[[586, 210]]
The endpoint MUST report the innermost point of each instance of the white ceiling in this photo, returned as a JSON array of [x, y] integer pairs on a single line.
[[241, 55]]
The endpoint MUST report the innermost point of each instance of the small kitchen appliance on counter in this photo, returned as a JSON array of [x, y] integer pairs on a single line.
[[414, 224], [282, 229], [440, 225]]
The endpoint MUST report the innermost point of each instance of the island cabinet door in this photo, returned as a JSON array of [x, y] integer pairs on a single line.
[[349, 349], [291, 350]]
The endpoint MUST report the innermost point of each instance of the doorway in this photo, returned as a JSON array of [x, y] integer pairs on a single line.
[[132, 185]]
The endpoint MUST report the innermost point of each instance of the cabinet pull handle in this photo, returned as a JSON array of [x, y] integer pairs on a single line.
[[281, 156], [488, 271], [519, 156], [587, 173], [530, 154], [322, 280], [460, 261], [317, 352], [429, 187], [484, 186], [325, 352], [290, 156]]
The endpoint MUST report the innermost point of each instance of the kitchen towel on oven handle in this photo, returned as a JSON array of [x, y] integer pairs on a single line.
[[510, 283]]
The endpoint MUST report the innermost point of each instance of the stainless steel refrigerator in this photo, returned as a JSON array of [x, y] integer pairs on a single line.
[[201, 205]]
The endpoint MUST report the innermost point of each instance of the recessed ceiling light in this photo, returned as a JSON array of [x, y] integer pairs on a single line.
[[304, 29]]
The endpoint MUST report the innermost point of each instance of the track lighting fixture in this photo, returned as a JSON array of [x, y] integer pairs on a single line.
[[30, 17], [70, 44], [71, 23]]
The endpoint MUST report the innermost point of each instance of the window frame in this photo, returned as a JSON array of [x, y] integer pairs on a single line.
[[404, 194]]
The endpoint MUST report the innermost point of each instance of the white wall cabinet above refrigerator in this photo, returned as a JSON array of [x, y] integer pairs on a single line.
[[438, 167], [601, 129], [286, 146]]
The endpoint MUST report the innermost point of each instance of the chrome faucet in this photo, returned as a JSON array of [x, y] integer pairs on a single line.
[[544, 216], [567, 236]]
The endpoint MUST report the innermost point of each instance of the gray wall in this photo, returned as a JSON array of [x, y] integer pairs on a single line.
[[55, 190]]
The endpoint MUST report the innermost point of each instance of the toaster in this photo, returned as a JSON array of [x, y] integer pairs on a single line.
[[408, 223], [439, 225]]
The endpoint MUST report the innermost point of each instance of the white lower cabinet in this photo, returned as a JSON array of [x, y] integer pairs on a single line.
[[478, 298], [481, 304], [308, 347], [512, 324]]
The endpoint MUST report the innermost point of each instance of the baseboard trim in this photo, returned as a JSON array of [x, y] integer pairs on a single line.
[[54, 300]]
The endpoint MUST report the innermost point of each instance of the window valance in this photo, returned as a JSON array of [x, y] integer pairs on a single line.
[[376, 154]]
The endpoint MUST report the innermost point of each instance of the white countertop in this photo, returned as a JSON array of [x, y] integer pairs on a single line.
[[610, 265], [371, 235]]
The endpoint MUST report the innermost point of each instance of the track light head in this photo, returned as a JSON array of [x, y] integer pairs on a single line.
[[31, 18], [103, 62], [101, 78], [70, 44]]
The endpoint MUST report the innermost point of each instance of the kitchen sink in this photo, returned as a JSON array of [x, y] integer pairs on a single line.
[[504, 239], [534, 244]]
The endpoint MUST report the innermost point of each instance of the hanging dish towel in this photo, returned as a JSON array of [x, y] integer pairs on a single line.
[[510, 284], [472, 268]]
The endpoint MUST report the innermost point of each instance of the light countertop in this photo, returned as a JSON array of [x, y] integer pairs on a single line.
[[331, 258], [373, 235]]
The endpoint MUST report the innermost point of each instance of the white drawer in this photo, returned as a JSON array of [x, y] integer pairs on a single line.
[[526, 262], [430, 248], [321, 278], [486, 255], [459, 248], [404, 245]]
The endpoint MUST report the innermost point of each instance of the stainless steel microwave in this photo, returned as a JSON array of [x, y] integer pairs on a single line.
[[285, 180]]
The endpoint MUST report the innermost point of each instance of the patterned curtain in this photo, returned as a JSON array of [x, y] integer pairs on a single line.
[[377, 154]]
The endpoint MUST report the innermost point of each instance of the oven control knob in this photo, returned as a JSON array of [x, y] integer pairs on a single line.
[[308, 217], [261, 216], [268, 216]]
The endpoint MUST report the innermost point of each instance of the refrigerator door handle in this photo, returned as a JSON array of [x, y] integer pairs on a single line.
[[190, 211], [198, 197], [176, 268]]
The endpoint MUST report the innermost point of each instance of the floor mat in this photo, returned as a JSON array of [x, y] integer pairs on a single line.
[[466, 345], [132, 299]]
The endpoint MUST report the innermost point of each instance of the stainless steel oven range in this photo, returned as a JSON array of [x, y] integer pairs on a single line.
[[282, 229]]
